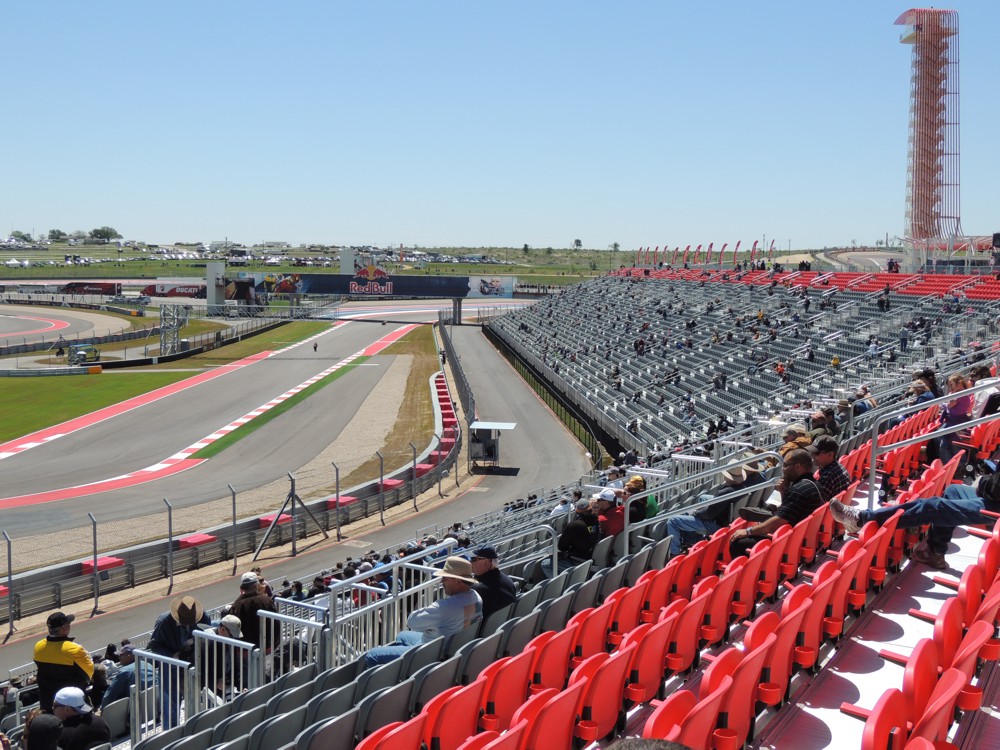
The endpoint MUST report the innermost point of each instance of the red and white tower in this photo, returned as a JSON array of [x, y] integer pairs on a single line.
[[932, 170]]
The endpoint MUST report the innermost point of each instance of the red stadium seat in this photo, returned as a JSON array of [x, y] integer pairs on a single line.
[[396, 736], [684, 648], [507, 682], [648, 664], [551, 727], [738, 710], [601, 707], [685, 719], [551, 665], [453, 716]]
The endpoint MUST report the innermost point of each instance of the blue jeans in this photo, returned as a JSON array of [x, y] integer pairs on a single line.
[[688, 529], [385, 654], [960, 505]]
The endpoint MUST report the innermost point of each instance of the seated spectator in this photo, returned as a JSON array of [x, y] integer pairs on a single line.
[[957, 411], [800, 496], [566, 503], [41, 731], [688, 528], [318, 587], [577, 540], [610, 514], [494, 586], [82, 730], [460, 608], [795, 437], [125, 676], [817, 425], [960, 505], [984, 401], [831, 477]]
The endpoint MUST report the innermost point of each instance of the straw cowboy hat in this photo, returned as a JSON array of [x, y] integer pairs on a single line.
[[457, 567], [186, 610]]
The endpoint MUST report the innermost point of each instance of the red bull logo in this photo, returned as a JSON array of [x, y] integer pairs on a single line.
[[377, 281]]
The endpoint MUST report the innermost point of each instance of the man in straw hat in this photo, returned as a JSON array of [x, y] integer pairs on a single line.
[[171, 637], [688, 528], [460, 608]]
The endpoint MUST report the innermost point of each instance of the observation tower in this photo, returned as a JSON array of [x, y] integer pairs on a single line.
[[932, 170]]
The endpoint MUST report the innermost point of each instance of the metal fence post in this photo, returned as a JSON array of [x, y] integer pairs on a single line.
[[381, 487], [97, 575], [291, 494], [232, 492], [170, 545], [10, 587], [454, 433], [413, 478], [336, 470]]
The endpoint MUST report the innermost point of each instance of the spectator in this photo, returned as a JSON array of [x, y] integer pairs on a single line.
[[960, 505], [173, 636], [610, 514], [494, 586], [981, 406], [795, 437], [297, 593], [831, 477], [566, 503], [800, 496], [125, 676], [577, 540], [460, 608], [318, 587], [59, 662], [41, 731], [817, 423], [247, 605], [688, 528], [82, 729], [614, 478], [957, 411], [218, 671]]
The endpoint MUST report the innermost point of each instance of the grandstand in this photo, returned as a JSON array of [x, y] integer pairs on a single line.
[[815, 640]]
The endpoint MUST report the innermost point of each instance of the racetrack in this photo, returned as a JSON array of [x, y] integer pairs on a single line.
[[22, 324]]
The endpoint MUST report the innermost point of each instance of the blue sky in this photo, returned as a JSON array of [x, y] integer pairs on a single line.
[[478, 124]]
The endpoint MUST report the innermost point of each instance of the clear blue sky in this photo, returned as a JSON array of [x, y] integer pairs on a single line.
[[473, 123]]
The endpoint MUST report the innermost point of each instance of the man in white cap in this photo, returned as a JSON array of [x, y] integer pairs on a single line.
[[82, 730], [460, 608]]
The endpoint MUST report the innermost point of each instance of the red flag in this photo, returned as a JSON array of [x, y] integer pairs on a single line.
[[722, 252], [736, 250], [673, 258], [770, 250], [708, 255], [639, 250], [655, 253], [686, 251], [753, 251], [647, 255], [697, 254]]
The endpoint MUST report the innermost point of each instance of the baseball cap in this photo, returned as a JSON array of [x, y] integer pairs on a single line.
[[487, 553], [582, 505], [249, 578], [72, 697], [608, 496], [233, 625], [58, 619]]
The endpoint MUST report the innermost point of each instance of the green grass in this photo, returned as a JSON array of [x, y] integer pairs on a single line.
[[277, 338], [255, 424], [32, 404]]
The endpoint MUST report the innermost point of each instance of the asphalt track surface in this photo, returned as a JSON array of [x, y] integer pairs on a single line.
[[540, 452], [22, 324]]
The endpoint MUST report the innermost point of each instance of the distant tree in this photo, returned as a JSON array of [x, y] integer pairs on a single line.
[[104, 233], [615, 247], [548, 251], [22, 236], [56, 234], [526, 249], [79, 235], [577, 244]]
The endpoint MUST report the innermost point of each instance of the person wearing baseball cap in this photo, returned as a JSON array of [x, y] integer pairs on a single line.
[[610, 514], [459, 609], [82, 728], [495, 587], [125, 676], [59, 662], [251, 601]]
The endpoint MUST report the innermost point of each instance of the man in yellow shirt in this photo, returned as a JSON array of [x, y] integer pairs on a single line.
[[59, 661]]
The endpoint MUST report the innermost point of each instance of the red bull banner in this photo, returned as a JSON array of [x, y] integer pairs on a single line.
[[708, 253], [736, 250], [686, 251], [770, 250], [753, 251], [697, 255]]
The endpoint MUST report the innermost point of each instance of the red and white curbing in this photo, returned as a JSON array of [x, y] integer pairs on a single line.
[[181, 461]]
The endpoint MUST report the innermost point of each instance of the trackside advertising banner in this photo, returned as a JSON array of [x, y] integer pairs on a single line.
[[372, 281]]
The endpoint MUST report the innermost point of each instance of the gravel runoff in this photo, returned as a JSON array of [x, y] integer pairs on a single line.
[[357, 443]]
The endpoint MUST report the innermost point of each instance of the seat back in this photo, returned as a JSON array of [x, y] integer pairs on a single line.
[[507, 683], [454, 718]]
